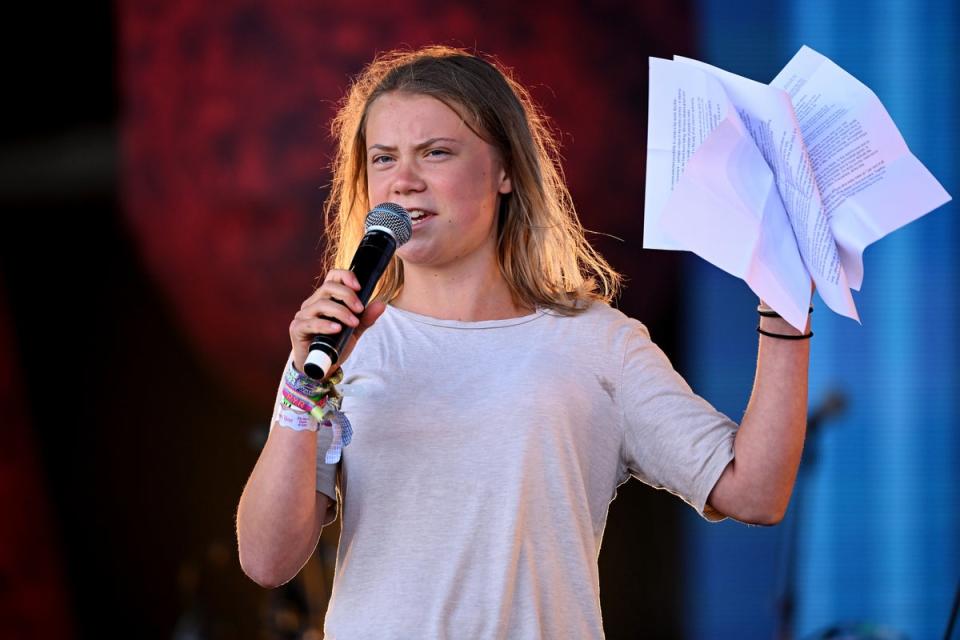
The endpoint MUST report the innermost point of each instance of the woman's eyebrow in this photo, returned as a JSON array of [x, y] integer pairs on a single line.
[[422, 145]]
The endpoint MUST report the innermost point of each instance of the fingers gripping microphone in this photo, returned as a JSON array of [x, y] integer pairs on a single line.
[[388, 226]]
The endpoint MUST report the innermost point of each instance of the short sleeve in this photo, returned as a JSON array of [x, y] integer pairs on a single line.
[[326, 473], [672, 438]]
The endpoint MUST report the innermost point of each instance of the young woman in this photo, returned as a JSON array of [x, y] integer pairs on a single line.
[[497, 399]]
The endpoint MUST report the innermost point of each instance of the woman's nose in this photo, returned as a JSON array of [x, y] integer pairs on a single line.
[[407, 178]]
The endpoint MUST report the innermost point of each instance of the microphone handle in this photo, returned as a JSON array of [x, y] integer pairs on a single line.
[[369, 262]]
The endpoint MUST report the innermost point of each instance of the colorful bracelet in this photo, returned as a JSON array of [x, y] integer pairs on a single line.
[[306, 405]]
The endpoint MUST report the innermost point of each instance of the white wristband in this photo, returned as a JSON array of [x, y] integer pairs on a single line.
[[296, 420]]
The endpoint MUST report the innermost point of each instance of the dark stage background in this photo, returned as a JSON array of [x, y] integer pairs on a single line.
[[164, 167]]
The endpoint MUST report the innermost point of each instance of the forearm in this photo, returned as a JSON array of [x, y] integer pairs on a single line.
[[277, 528], [769, 443]]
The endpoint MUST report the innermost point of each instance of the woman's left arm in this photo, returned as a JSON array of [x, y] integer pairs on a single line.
[[756, 486]]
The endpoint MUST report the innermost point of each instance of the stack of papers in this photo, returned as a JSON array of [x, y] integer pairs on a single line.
[[778, 184]]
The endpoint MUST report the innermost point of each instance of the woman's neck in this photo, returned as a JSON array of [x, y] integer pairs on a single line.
[[469, 297]]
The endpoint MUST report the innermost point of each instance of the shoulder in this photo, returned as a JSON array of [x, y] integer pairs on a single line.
[[601, 317], [599, 328]]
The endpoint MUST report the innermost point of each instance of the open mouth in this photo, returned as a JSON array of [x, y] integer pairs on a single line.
[[418, 216]]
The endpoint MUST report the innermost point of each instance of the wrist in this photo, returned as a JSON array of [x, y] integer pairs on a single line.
[[306, 404], [781, 326], [773, 325]]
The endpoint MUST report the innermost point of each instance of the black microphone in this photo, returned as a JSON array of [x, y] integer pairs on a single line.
[[388, 226]]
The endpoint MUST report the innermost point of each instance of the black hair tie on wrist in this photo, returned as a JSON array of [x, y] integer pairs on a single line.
[[770, 313], [805, 336]]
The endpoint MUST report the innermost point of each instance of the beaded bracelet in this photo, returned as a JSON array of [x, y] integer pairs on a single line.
[[306, 405]]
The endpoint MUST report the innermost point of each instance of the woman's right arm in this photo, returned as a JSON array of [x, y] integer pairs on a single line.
[[281, 513]]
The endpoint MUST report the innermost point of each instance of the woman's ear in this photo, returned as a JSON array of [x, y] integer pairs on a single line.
[[505, 185]]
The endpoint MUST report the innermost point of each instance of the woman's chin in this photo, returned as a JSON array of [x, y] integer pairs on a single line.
[[414, 257]]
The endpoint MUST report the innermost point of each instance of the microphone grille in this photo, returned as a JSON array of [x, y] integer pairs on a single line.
[[392, 217]]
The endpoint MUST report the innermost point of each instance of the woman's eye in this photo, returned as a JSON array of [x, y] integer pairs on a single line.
[[437, 152], [379, 159]]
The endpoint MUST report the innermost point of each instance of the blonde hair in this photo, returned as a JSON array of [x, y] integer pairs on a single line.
[[541, 248]]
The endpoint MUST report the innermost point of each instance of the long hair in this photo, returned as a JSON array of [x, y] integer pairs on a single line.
[[541, 249]]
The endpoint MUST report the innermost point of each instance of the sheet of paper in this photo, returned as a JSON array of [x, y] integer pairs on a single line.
[[780, 183], [683, 111], [720, 200], [870, 182], [769, 118]]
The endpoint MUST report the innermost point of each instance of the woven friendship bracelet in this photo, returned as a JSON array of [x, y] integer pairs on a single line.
[[299, 382], [299, 401], [307, 404]]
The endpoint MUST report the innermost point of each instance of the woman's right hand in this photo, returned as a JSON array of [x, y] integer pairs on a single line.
[[342, 285]]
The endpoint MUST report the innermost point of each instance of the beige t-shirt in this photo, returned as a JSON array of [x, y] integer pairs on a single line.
[[484, 459]]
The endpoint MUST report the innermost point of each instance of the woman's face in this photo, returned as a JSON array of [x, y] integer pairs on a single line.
[[422, 156]]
